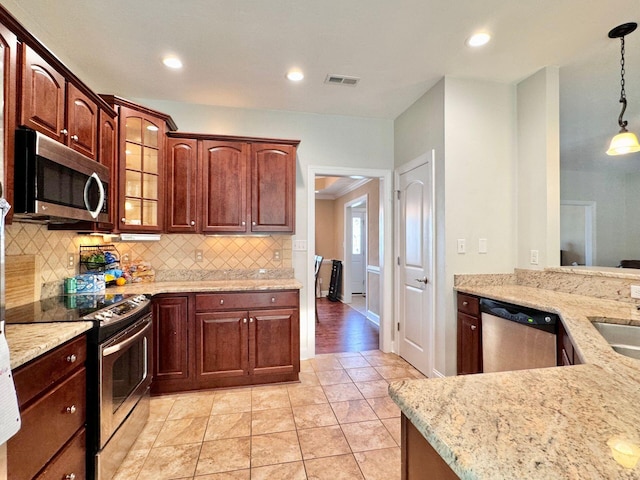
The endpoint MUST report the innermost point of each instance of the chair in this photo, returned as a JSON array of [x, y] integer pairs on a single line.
[[317, 265]]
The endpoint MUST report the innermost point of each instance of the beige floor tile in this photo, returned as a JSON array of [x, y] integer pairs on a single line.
[[181, 432], [131, 465], [377, 388], [272, 448], [343, 467], [147, 436], [232, 401], [353, 411], [322, 442], [357, 361], [281, 471], [271, 421], [371, 435], [367, 374], [176, 461], [268, 399], [332, 377], [159, 408], [324, 363], [224, 455], [390, 372], [307, 395], [235, 475], [306, 366], [394, 428], [191, 407], [384, 407], [380, 464], [308, 379], [342, 392], [377, 358], [341, 355], [309, 416], [228, 425]]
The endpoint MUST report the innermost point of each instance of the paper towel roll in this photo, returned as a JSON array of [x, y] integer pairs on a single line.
[[9, 412]]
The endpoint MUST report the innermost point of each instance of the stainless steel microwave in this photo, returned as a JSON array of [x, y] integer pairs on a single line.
[[55, 183]]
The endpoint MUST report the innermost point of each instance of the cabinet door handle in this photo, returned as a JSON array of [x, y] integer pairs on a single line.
[[72, 358], [253, 223], [123, 220], [64, 131], [193, 222], [250, 319], [71, 410], [244, 320], [473, 327], [465, 303], [70, 476], [74, 138], [244, 223]]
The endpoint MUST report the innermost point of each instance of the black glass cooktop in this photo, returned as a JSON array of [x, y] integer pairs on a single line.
[[65, 308]]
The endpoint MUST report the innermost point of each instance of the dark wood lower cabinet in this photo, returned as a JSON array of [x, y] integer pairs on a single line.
[[419, 459], [469, 345], [225, 339]]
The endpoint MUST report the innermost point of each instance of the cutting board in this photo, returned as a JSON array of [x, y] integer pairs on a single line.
[[21, 286]]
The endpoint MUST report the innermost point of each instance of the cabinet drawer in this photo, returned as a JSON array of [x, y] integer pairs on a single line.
[[468, 304], [35, 377], [70, 462], [47, 424], [246, 300]]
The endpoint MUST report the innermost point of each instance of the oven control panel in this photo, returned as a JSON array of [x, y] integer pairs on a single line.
[[119, 311]]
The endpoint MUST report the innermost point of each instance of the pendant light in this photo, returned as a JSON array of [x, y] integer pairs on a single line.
[[625, 141]]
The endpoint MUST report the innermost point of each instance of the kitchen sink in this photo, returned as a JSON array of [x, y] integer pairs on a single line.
[[624, 339]]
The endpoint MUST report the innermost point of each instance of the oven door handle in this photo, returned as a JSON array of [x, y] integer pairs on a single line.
[[121, 345]]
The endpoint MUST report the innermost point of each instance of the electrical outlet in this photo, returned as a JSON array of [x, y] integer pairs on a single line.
[[198, 255], [462, 245], [534, 257], [277, 256], [482, 245], [635, 291], [71, 261]]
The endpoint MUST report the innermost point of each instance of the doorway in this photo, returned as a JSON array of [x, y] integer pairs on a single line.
[[577, 232]]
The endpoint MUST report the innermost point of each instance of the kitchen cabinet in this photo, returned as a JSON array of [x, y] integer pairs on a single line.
[[233, 185], [52, 398], [566, 354], [172, 346], [418, 458], [55, 107], [225, 339], [469, 338], [8, 76], [141, 166]]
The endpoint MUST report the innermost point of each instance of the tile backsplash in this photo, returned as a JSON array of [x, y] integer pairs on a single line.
[[173, 257]]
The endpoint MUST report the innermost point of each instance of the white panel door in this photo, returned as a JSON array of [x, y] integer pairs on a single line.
[[416, 290], [358, 250]]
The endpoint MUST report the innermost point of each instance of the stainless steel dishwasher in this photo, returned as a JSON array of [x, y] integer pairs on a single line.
[[516, 338]]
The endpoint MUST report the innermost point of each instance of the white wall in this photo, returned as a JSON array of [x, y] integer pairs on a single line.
[[329, 140], [539, 169]]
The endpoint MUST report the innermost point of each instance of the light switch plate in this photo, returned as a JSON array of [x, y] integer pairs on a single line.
[[635, 291], [299, 245], [198, 255], [462, 246]]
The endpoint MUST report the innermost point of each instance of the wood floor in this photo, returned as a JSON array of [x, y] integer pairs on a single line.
[[343, 329]]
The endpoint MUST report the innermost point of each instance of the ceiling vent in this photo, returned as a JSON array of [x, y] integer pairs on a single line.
[[342, 80]]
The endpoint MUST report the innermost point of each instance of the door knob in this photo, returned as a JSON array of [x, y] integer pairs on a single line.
[[422, 280]]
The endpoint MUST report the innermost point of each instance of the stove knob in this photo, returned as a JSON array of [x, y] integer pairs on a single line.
[[99, 316], [107, 314], [141, 298]]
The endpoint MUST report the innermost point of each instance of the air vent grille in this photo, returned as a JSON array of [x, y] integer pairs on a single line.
[[342, 80]]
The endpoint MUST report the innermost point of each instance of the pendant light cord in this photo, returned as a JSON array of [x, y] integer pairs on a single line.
[[623, 94]]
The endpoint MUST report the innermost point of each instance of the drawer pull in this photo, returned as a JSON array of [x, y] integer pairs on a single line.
[[72, 358], [273, 299], [221, 301], [465, 303], [72, 409], [70, 476], [473, 327]]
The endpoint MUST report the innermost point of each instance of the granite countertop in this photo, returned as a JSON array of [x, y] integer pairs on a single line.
[[543, 423], [155, 288], [27, 342]]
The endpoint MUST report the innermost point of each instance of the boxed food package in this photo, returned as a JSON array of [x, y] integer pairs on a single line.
[[141, 271], [90, 283]]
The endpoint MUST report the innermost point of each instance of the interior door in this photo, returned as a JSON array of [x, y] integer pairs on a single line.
[[416, 289], [358, 250]]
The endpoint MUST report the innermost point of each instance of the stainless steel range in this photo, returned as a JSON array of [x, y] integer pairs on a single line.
[[118, 368]]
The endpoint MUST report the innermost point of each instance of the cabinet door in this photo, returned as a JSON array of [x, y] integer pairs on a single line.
[[274, 341], [141, 171], [182, 175], [221, 345], [8, 66], [171, 339], [469, 344], [82, 122], [43, 96], [273, 188], [108, 155], [224, 189]]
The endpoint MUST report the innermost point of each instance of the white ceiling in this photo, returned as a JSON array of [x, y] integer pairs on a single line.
[[236, 52]]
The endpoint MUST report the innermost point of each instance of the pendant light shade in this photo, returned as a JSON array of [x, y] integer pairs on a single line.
[[624, 142]]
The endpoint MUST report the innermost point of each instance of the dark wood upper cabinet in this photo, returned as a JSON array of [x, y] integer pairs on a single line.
[[82, 124], [182, 181], [8, 77], [108, 155], [224, 187], [273, 188]]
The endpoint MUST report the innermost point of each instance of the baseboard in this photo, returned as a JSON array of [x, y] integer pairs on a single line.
[[373, 318], [437, 374]]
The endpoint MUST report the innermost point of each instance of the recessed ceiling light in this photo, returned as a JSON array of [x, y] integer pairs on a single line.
[[295, 75], [172, 62], [478, 39]]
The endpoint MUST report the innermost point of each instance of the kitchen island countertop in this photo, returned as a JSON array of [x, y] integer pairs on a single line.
[[544, 423]]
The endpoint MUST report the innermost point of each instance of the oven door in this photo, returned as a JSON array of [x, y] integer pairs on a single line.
[[125, 375]]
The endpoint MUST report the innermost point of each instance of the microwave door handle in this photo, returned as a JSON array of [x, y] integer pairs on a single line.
[[96, 212]]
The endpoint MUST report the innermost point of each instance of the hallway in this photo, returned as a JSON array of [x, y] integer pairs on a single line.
[[342, 328]]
